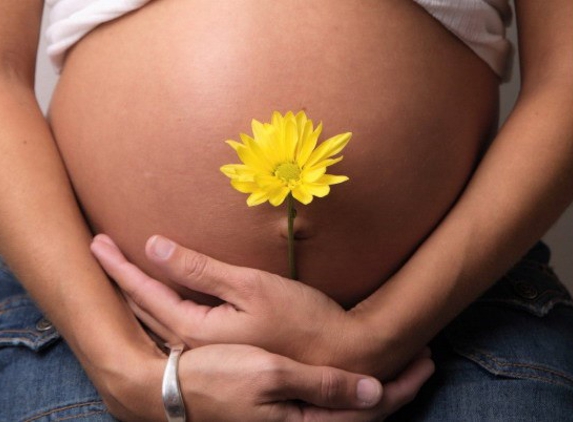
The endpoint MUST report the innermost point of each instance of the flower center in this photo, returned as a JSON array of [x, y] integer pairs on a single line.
[[287, 171]]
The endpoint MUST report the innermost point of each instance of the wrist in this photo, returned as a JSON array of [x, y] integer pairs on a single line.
[[351, 343], [129, 382], [121, 360], [381, 343]]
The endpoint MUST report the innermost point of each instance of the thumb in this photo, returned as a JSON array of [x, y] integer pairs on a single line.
[[200, 272], [328, 387]]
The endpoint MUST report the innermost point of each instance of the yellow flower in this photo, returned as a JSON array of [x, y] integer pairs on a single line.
[[282, 158]]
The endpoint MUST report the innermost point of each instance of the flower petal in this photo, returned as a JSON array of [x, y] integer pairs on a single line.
[[229, 170], [257, 198], [331, 179], [312, 175], [266, 181], [290, 140], [318, 189], [234, 144], [276, 119], [259, 149], [268, 144], [304, 131], [301, 121], [244, 187], [308, 145], [302, 194], [329, 148], [325, 163], [253, 160], [238, 171], [277, 196], [258, 129]]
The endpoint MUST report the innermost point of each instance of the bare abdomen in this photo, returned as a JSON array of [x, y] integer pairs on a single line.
[[146, 102]]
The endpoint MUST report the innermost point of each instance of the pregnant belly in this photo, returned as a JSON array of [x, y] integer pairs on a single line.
[[145, 104]]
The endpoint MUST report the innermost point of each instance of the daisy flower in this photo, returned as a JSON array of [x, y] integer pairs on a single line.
[[282, 161], [282, 158]]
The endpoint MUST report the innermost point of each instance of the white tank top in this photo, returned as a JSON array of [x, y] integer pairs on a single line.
[[478, 23]]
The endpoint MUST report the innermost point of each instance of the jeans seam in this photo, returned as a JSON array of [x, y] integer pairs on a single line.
[[533, 308], [24, 298], [72, 406], [523, 365], [21, 331], [98, 412]]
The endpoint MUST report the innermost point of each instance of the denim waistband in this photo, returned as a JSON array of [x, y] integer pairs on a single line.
[[540, 253], [530, 285]]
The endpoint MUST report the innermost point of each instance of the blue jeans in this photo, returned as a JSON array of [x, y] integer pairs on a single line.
[[40, 379], [508, 357]]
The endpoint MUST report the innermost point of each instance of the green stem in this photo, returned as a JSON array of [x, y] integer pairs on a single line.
[[291, 214]]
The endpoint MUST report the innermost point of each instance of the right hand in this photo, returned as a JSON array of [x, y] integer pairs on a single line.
[[240, 383], [261, 309], [228, 382]]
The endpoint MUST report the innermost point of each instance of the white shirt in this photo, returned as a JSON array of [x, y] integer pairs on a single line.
[[478, 23]]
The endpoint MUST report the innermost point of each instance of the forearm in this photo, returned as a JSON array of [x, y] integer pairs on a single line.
[[522, 185], [46, 241]]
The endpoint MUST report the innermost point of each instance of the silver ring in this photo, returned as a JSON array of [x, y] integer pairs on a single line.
[[171, 391]]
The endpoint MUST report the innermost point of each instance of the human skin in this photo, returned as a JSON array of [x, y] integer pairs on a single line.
[[122, 361], [152, 166], [62, 232], [521, 185]]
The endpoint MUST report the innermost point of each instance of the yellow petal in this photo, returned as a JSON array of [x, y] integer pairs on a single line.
[[302, 194], [268, 144], [330, 179], [308, 145], [244, 187], [318, 190], [304, 131], [301, 121], [237, 171], [268, 182], [312, 175], [329, 148], [229, 170], [234, 144], [325, 163], [257, 198], [289, 115], [276, 119], [290, 140], [277, 196], [259, 149], [258, 129], [251, 159]]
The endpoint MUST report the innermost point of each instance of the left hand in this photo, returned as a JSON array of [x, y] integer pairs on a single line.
[[261, 309]]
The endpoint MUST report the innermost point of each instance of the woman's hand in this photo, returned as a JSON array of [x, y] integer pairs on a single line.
[[239, 383], [260, 309], [230, 382]]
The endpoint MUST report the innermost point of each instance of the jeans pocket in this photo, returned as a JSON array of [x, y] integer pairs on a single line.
[[22, 324], [522, 328], [530, 286]]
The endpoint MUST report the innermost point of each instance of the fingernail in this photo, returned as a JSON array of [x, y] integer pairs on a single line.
[[161, 247], [104, 239], [368, 392]]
